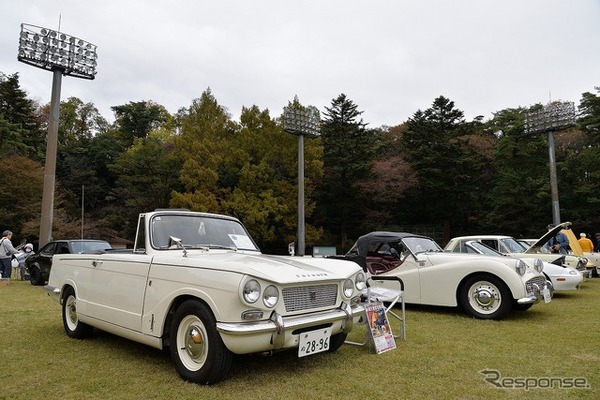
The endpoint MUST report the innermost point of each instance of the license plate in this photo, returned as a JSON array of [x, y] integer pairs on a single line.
[[546, 294], [314, 342]]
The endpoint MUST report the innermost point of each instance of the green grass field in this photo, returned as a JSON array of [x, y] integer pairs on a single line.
[[441, 358]]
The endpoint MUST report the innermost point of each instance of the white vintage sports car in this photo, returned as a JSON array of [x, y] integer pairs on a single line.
[[510, 246], [485, 287], [198, 284], [562, 277]]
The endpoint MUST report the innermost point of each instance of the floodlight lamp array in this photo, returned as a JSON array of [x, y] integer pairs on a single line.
[[302, 120], [53, 50], [551, 117]]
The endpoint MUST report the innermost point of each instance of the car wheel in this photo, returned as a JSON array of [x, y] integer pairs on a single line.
[[35, 276], [73, 326], [336, 341], [485, 297], [196, 347]]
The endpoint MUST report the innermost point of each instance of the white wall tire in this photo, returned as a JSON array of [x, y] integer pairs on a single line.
[[485, 297], [196, 347], [74, 328]]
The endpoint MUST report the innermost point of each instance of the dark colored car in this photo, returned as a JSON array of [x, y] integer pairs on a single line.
[[40, 263]]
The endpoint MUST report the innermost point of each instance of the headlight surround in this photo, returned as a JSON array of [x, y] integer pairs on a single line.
[[360, 282], [521, 267], [573, 272], [348, 288], [270, 296], [538, 264], [252, 291]]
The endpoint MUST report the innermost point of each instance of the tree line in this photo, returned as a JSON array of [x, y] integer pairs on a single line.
[[435, 173]]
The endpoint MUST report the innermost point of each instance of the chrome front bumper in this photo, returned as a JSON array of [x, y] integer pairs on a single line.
[[280, 332], [537, 294]]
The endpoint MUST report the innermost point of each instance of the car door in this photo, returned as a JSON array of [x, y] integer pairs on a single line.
[[117, 288], [44, 257]]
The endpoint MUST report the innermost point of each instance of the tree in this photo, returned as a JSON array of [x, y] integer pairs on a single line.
[[589, 120], [149, 166], [385, 186], [20, 127], [136, 120], [22, 180], [439, 146], [202, 146], [519, 196], [348, 152]]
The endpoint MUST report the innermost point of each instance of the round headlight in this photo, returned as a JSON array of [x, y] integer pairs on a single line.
[[251, 291], [539, 265], [270, 296], [573, 272], [348, 288], [360, 282], [521, 267]]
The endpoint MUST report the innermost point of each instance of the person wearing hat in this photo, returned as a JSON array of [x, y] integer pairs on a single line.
[[6, 252], [586, 244], [559, 243]]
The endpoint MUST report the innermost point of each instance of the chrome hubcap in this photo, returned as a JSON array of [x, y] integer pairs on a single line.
[[484, 297], [194, 343]]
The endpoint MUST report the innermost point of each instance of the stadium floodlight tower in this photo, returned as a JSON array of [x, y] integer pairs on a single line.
[[554, 116], [301, 121], [63, 55]]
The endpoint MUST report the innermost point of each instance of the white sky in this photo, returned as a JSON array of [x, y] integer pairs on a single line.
[[390, 57]]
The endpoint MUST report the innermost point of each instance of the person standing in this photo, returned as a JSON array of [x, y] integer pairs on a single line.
[[586, 244], [559, 243], [597, 244], [6, 252]]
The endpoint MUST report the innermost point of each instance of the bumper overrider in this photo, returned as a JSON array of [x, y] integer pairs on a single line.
[[53, 292], [280, 332], [535, 292]]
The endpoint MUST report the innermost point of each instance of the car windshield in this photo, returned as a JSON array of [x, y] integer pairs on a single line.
[[513, 246], [196, 231], [421, 245], [89, 247], [483, 249]]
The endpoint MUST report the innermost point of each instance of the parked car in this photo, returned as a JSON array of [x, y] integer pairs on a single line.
[[40, 263], [509, 245], [198, 284], [562, 277], [485, 287]]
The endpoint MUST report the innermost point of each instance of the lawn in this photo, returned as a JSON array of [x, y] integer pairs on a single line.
[[441, 358]]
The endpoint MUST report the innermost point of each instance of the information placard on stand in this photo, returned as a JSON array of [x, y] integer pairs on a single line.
[[379, 326]]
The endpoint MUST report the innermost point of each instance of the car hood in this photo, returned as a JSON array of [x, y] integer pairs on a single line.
[[278, 269], [535, 248]]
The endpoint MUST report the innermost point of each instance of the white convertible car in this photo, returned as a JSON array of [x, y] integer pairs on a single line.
[[198, 284], [486, 287], [562, 277]]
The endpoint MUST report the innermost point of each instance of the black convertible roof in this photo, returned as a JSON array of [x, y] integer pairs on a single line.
[[363, 242]]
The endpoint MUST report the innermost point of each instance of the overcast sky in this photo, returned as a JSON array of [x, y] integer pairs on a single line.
[[390, 57]]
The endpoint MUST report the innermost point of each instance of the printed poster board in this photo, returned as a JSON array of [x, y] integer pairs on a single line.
[[379, 327]]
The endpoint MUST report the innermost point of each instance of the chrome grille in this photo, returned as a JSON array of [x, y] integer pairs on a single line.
[[300, 298], [540, 281]]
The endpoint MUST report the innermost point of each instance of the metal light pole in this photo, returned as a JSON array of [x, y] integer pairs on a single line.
[[548, 119], [301, 121], [63, 55]]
